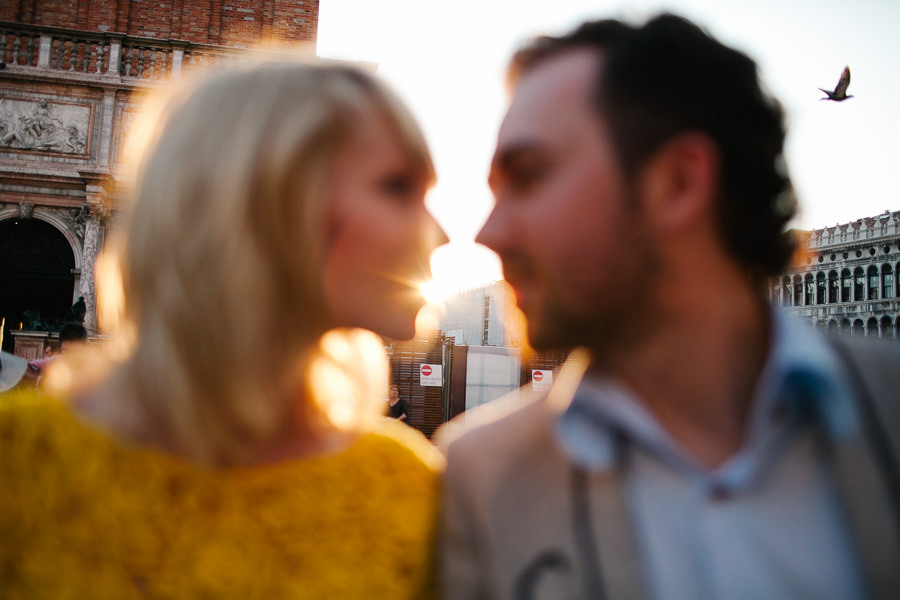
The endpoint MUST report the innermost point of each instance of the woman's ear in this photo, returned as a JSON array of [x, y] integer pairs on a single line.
[[680, 182]]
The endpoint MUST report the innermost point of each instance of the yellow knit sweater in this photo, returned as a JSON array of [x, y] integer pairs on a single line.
[[83, 516]]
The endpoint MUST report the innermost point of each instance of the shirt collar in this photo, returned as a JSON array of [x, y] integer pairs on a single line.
[[803, 378], [806, 378]]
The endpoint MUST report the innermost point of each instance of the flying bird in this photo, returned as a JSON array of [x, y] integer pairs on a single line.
[[840, 91]]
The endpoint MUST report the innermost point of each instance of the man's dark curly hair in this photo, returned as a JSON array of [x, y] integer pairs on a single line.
[[670, 77]]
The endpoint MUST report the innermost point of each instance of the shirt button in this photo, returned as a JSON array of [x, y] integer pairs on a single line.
[[779, 414], [719, 493]]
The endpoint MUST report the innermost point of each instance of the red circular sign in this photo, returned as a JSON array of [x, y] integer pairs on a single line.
[[426, 370], [538, 376]]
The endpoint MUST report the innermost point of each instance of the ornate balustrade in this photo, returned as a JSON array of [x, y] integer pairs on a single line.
[[861, 230], [132, 59]]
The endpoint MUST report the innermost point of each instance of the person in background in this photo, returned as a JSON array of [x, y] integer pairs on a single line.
[[398, 409], [72, 336], [700, 444], [234, 447]]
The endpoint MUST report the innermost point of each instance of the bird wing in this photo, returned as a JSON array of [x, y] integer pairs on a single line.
[[841, 90]]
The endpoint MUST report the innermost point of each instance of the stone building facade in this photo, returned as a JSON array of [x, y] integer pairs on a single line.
[[71, 76], [846, 278]]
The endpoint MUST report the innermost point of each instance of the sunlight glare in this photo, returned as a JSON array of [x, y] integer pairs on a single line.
[[436, 290]]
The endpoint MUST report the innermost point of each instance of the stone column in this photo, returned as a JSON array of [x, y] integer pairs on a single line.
[[44, 51], [107, 135], [94, 230], [177, 61], [115, 54]]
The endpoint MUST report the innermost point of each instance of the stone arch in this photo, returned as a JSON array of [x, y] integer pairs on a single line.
[[872, 327], [859, 328], [53, 217], [845, 326], [887, 329], [873, 283], [797, 299], [831, 326], [38, 274], [859, 284], [821, 288], [846, 285]]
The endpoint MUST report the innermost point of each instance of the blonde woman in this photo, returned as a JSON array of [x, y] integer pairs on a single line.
[[236, 449]]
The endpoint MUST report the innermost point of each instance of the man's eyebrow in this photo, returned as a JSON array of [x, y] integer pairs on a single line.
[[505, 157]]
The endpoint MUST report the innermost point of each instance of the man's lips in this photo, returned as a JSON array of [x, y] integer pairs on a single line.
[[520, 276]]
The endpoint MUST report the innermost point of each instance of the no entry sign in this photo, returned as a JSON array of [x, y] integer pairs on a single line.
[[431, 375], [541, 379]]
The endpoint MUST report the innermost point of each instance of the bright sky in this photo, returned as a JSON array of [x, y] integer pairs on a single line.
[[447, 60]]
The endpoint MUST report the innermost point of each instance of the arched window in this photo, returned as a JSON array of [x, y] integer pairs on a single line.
[[846, 282], [887, 279], [786, 291], [886, 329], [36, 276], [821, 288], [859, 285], [845, 326], [809, 290], [834, 288], [798, 291], [874, 282], [831, 326], [872, 327], [859, 327]]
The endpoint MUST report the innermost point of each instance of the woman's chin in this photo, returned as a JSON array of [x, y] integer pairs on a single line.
[[400, 326]]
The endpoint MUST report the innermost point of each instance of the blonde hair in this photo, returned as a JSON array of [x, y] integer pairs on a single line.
[[220, 260]]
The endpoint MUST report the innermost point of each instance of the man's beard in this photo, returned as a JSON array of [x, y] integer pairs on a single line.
[[622, 317]]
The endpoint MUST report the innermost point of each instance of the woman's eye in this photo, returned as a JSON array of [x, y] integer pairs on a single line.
[[400, 185]]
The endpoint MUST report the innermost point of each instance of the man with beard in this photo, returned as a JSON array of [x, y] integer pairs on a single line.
[[700, 444]]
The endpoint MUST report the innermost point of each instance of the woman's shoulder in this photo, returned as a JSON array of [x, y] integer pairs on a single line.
[[401, 444], [44, 437], [29, 416]]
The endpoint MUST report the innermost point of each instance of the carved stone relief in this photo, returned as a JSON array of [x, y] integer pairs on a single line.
[[43, 126], [75, 218]]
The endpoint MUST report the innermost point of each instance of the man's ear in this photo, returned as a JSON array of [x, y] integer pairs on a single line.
[[679, 183]]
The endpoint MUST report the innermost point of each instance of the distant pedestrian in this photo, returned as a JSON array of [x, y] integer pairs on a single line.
[[72, 336], [398, 408]]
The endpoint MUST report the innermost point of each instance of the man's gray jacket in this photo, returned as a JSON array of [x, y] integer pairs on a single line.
[[521, 521]]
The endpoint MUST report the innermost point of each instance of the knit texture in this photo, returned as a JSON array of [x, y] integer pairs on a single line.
[[84, 516]]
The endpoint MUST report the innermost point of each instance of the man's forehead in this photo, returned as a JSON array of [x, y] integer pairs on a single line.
[[552, 95]]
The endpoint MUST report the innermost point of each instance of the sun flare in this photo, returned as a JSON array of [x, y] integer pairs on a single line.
[[458, 266], [436, 290]]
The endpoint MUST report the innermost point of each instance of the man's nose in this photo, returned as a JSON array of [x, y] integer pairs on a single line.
[[492, 233]]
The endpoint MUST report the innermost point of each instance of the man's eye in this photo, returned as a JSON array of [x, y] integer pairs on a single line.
[[525, 176]]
